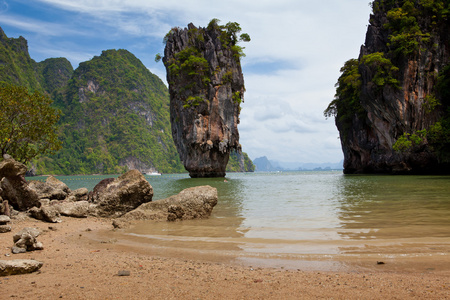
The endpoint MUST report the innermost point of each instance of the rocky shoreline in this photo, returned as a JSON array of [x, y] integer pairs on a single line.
[[73, 258]]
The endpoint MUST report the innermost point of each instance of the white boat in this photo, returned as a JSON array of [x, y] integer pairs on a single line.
[[153, 174]]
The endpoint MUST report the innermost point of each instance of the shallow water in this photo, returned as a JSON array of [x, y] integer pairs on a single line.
[[281, 218]]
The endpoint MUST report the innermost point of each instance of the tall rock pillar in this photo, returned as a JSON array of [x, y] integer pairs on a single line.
[[206, 87]]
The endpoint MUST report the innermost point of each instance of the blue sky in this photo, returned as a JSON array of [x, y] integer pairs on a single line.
[[291, 67]]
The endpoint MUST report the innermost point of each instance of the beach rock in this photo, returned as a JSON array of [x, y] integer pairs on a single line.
[[4, 207], [192, 203], [78, 209], [52, 189], [9, 167], [26, 240], [80, 194], [4, 227], [99, 189], [13, 186], [4, 220], [18, 194], [46, 213], [122, 194], [19, 266]]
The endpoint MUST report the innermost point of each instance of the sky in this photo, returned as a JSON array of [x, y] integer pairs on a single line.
[[290, 70]]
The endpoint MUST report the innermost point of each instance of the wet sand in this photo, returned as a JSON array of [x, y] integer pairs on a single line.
[[83, 257]]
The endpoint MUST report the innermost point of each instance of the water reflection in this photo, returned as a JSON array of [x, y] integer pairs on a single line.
[[392, 207], [222, 231]]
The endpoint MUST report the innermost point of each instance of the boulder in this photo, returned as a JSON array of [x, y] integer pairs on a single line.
[[46, 213], [52, 189], [19, 266], [17, 192], [4, 220], [4, 227], [25, 240], [99, 189], [13, 186], [4, 207], [11, 168], [192, 203], [122, 194], [80, 194], [78, 209]]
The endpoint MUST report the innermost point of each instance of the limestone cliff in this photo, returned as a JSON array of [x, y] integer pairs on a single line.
[[206, 87], [391, 103]]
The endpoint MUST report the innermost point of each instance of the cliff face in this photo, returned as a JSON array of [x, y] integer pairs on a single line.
[[388, 99], [17, 67], [115, 118], [206, 87]]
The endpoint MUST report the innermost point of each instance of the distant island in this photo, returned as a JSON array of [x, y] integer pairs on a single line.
[[263, 164]]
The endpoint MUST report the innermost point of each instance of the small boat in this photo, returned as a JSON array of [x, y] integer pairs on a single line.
[[153, 174]]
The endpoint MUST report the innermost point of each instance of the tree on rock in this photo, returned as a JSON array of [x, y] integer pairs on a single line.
[[206, 88], [27, 123]]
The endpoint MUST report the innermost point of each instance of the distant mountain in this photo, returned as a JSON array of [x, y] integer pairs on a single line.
[[306, 166], [263, 164], [115, 111]]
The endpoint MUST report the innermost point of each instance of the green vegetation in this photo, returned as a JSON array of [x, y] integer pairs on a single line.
[[385, 71], [412, 28], [240, 162], [346, 103], [190, 69], [27, 124], [116, 112]]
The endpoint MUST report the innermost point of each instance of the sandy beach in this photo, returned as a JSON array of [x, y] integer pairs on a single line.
[[80, 265]]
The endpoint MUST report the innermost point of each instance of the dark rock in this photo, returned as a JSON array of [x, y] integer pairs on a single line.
[[13, 186], [4, 207], [122, 194], [19, 266], [123, 273], [204, 117], [192, 203], [389, 112], [98, 189]]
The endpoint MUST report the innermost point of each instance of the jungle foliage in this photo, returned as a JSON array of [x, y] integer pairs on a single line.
[[240, 162], [411, 26], [27, 123]]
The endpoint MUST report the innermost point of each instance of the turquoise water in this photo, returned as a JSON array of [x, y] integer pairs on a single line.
[[290, 214]]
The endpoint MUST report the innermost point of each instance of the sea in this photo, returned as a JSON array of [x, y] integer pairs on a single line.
[[317, 220]]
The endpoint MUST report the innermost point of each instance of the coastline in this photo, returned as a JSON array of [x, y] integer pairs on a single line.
[[80, 262]]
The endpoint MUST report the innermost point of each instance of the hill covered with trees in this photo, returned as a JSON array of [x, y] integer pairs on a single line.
[[115, 112]]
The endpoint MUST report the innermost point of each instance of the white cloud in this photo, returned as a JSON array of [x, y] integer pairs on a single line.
[[292, 63]]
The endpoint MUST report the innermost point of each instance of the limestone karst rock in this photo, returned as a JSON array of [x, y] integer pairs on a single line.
[[206, 87], [394, 92]]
